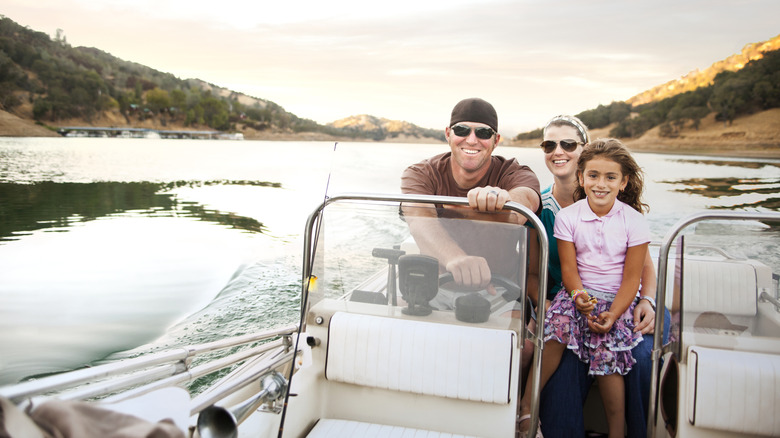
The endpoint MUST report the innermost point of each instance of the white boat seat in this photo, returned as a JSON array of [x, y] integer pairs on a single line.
[[330, 428], [739, 391], [725, 287], [461, 362]]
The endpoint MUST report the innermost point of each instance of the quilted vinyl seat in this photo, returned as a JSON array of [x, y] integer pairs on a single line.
[[723, 287], [461, 362], [347, 429], [401, 367], [734, 391]]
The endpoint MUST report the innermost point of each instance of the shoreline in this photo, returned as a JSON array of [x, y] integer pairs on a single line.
[[753, 136], [722, 153]]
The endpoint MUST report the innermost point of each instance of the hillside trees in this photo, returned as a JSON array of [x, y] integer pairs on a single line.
[[178, 99], [215, 113], [60, 82], [158, 100], [603, 115], [754, 88], [11, 78], [67, 93], [732, 94], [66, 82]]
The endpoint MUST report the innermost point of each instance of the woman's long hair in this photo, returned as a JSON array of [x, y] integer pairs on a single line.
[[613, 150]]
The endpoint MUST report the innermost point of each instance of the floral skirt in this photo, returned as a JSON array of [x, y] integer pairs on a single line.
[[607, 353]]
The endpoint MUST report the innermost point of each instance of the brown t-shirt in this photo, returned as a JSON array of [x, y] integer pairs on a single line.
[[434, 177]]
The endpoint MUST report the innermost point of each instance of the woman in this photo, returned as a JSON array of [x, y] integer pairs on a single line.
[[564, 394]]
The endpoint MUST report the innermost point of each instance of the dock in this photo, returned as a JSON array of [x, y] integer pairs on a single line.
[[90, 131]]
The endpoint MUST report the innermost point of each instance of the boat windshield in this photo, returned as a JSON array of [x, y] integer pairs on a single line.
[[390, 259]]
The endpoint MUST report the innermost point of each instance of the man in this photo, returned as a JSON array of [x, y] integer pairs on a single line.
[[469, 170]]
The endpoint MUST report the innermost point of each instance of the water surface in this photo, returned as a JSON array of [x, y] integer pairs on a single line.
[[133, 245]]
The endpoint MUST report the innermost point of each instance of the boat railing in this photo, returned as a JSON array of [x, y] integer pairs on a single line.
[[128, 378], [701, 246], [766, 297], [315, 218], [668, 241]]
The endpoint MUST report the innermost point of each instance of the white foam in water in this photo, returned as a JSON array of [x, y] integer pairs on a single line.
[[67, 298]]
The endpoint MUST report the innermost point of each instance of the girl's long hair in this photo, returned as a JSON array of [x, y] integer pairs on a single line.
[[613, 150]]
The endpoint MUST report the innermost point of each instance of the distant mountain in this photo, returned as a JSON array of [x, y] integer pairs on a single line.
[[385, 129], [696, 79]]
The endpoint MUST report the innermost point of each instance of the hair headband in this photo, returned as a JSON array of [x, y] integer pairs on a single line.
[[576, 123]]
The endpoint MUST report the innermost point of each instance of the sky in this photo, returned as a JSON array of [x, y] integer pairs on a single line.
[[413, 60]]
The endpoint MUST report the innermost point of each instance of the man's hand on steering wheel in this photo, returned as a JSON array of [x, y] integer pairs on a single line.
[[471, 271], [513, 290]]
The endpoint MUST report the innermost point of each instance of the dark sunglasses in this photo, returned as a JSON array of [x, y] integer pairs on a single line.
[[465, 131], [567, 145]]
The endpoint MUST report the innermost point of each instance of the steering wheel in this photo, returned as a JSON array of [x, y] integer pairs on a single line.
[[513, 290]]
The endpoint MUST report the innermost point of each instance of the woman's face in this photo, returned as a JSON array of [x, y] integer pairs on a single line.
[[562, 164]]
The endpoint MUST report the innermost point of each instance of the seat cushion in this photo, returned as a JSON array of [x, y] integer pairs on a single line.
[[346, 429], [462, 362], [734, 390], [724, 287]]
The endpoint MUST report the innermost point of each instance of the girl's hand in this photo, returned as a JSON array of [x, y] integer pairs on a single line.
[[602, 323], [584, 304]]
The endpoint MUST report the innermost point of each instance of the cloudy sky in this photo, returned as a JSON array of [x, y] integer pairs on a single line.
[[414, 59]]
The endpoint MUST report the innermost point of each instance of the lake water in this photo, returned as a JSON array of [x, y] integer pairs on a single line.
[[130, 245]]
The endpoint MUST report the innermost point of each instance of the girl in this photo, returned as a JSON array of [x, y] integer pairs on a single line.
[[602, 244]]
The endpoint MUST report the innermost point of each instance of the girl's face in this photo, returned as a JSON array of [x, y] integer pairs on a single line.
[[602, 180], [562, 164]]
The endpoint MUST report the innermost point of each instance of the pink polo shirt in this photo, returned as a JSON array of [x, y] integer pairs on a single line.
[[601, 242]]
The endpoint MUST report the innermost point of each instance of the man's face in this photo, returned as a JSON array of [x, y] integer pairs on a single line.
[[469, 152]]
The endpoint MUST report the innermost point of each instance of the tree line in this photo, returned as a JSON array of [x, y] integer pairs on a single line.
[[63, 82], [755, 87]]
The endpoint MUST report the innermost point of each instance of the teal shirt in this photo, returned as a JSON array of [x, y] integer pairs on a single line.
[[550, 208]]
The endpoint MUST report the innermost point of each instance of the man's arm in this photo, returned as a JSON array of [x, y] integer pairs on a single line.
[[527, 197], [434, 240]]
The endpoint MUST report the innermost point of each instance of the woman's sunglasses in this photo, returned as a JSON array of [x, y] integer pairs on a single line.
[[567, 145], [465, 131]]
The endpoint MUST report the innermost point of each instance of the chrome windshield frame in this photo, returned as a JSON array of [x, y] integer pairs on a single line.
[[663, 260], [310, 245]]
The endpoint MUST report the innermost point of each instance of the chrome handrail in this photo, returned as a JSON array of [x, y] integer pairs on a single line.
[[199, 371], [663, 261], [205, 400], [530, 216], [765, 297], [172, 362]]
